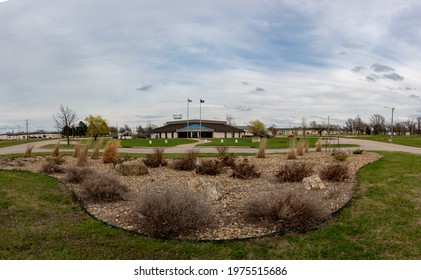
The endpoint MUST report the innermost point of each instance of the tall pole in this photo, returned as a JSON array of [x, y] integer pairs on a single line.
[[188, 132], [200, 118], [27, 131]]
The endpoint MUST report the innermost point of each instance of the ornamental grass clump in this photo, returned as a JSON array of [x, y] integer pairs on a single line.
[[56, 150], [77, 175], [222, 150], [110, 154], [262, 148], [156, 159], [294, 172], [209, 167], [98, 145], [188, 162], [337, 172], [28, 150], [301, 145], [171, 213], [287, 210], [245, 170], [319, 145], [82, 157]]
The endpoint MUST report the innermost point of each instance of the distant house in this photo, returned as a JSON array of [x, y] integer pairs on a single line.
[[196, 129]]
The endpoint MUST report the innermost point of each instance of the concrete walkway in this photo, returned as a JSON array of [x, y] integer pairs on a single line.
[[363, 144]]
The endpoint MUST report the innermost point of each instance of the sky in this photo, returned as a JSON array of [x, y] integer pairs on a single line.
[[136, 62]]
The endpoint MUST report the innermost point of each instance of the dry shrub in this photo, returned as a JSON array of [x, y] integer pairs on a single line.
[[337, 172], [95, 152], [77, 175], [28, 150], [222, 150], [102, 187], [189, 162], [82, 157], [171, 214], [52, 166], [110, 154], [284, 211], [209, 167], [262, 148], [319, 145], [228, 160], [294, 172], [56, 150], [245, 170], [291, 154], [156, 159], [306, 149]]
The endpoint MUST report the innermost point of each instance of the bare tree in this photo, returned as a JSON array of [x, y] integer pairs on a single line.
[[304, 125], [318, 127], [65, 119], [419, 125], [377, 122], [230, 120]]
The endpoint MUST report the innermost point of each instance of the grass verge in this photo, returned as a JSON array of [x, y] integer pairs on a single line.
[[39, 220]]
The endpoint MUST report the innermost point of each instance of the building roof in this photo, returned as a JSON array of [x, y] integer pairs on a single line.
[[194, 125]]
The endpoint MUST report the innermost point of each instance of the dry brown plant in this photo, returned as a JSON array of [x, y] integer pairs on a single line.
[[28, 150], [98, 145], [110, 154], [82, 158], [262, 148], [56, 150], [319, 145], [78, 146]]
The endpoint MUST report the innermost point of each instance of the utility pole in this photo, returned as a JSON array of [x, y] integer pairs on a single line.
[[27, 131], [391, 129]]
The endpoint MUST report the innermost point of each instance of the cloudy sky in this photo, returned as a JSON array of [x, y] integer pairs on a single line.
[[137, 61]]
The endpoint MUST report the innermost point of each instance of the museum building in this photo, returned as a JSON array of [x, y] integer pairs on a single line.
[[197, 129]]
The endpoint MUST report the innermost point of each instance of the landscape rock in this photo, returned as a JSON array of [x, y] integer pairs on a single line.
[[208, 188], [132, 168], [313, 182]]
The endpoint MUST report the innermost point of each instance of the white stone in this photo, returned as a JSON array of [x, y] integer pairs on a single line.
[[313, 182]]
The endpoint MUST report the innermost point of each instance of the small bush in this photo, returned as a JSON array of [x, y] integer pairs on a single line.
[[189, 162], [77, 175], [51, 166], [209, 167], [262, 148], [95, 152], [171, 214], [295, 172], [110, 154], [103, 187], [56, 150], [284, 211], [245, 170], [28, 150], [228, 160], [156, 159], [337, 172], [340, 155], [358, 152]]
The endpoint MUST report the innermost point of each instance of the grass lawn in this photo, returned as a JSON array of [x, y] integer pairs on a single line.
[[4, 144], [413, 141], [39, 220], [128, 143], [272, 143]]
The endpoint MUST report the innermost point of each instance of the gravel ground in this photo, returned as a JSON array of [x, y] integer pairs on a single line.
[[234, 192]]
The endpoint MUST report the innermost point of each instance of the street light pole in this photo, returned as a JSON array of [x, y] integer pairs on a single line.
[[391, 129]]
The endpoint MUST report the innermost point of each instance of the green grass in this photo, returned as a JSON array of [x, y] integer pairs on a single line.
[[39, 220], [413, 141], [272, 143], [128, 143], [7, 143]]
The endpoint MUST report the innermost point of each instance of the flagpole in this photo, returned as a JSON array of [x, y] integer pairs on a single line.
[[200, 121], [188, 101]]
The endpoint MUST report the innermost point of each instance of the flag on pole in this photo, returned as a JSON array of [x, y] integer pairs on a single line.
[[189, 100], [202, 101]]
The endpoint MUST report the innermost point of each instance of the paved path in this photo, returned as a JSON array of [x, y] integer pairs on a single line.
[[364, 144]]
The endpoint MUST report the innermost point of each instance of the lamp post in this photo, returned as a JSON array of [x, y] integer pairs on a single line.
[[391, 130]]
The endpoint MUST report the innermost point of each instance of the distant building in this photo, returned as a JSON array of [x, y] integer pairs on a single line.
[[207, 129], [20, 136]]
